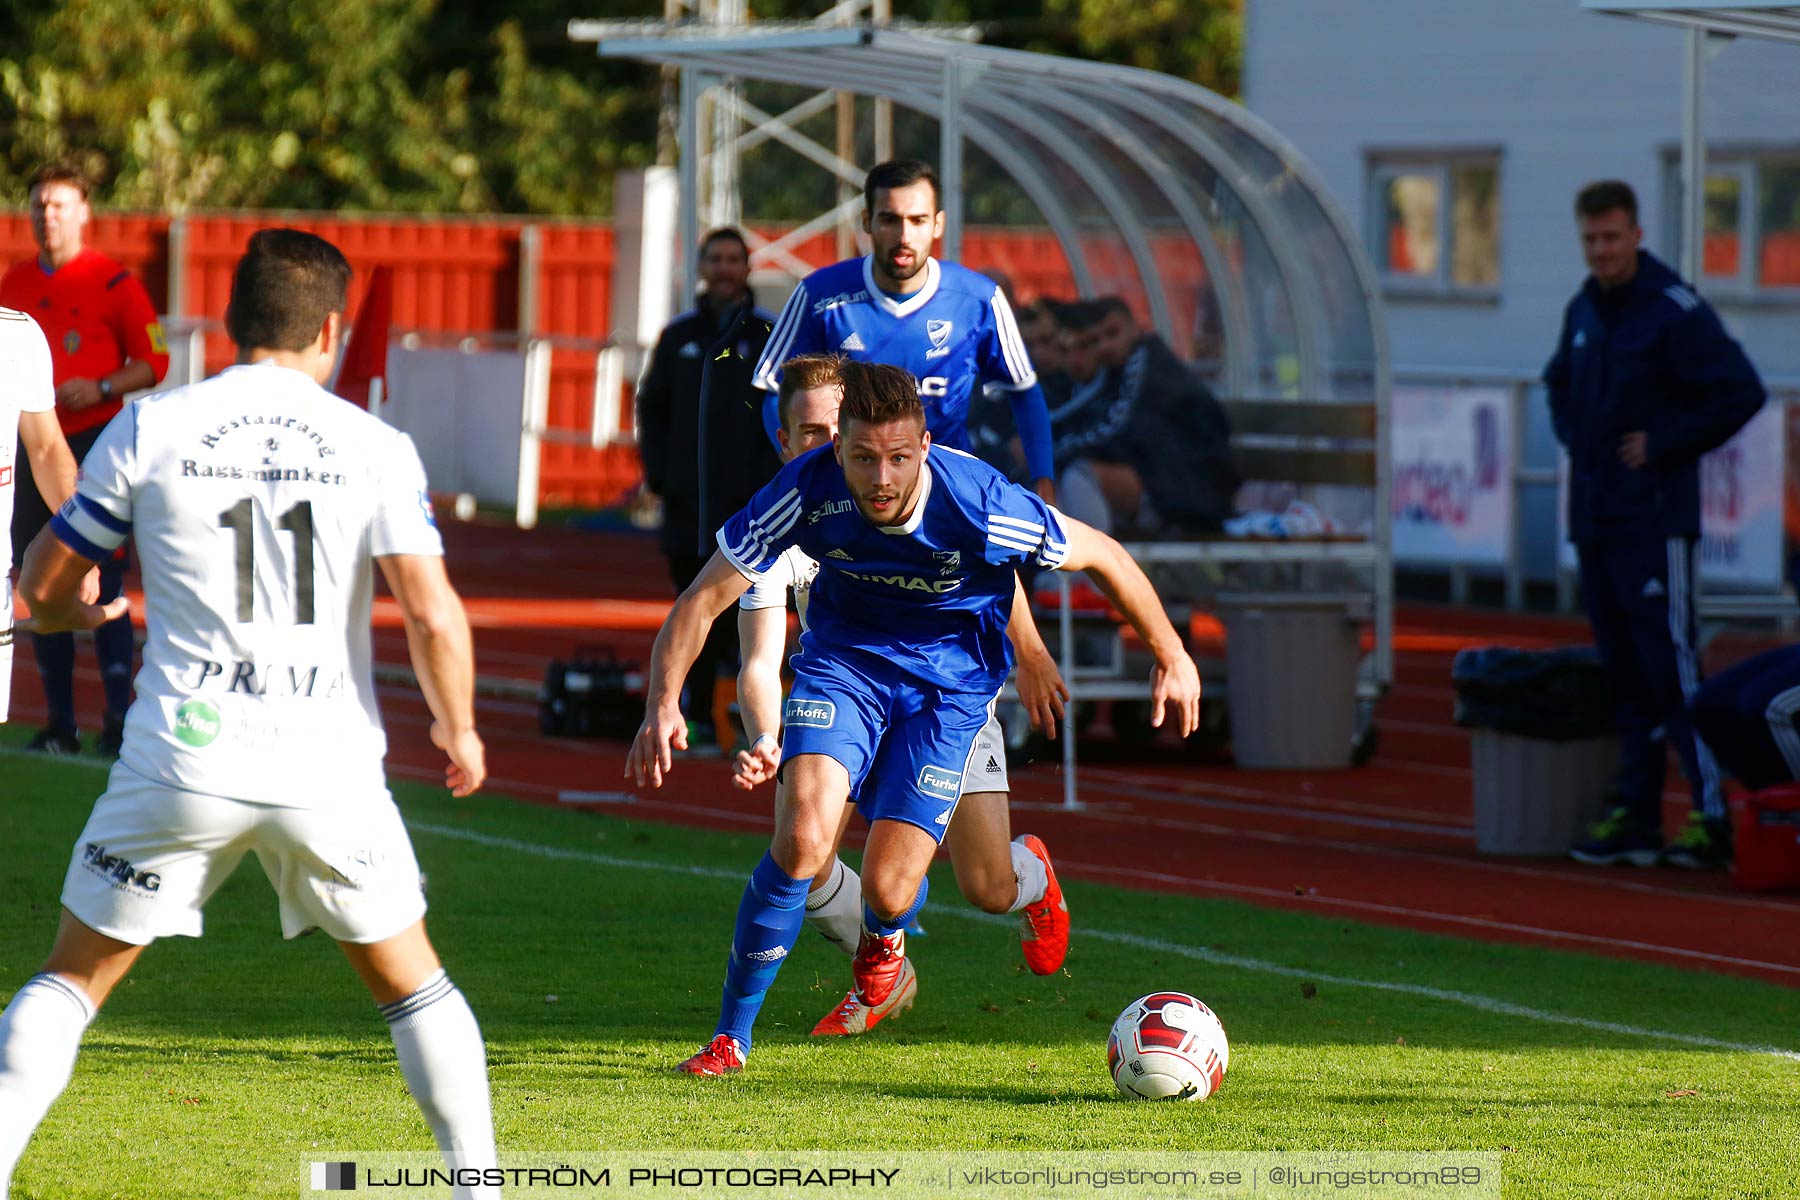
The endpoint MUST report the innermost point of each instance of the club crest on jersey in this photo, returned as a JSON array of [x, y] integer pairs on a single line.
[[940, 783], [426, 508], [949, 561], [812, 714], [71, 342], [939, 333]]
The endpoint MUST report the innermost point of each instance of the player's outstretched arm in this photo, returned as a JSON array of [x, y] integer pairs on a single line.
[[678, 644], [1175, 683], [762, 637], [1038, 681], [52, 463], [52, 584], [443, 657]]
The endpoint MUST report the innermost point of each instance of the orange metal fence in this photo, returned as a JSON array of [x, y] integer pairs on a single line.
[[459, 275]]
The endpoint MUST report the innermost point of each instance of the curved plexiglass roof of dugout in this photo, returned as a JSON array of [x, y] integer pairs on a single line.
[[1154, 188]]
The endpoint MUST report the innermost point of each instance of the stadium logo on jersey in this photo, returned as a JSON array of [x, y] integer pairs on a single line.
[[940, 783], [910, 583], [852, 344], [838, 301], [811, 714], [122, 874], [939, 333], [197, 723], [828, 509], [949, 561]]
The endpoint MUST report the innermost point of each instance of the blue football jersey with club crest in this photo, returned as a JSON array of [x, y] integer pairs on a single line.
[[932, 596], [954, 334]]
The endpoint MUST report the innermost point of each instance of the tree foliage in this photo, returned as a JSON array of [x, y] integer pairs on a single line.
[[430, 105]]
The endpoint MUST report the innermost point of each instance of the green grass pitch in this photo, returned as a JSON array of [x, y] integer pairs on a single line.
[[1593, 1077]]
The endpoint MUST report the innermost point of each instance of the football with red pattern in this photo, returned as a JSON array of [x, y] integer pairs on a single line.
[[1167, 1046]]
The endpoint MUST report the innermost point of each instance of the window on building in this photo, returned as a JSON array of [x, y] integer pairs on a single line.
[[1750, 224], [1436, 223]]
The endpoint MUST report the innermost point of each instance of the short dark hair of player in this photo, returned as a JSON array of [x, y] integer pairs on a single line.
[[284, 287], [1083, 314], [1107, 306], [879, 394], [803, 373], [59, 172], [1604, 196], [724, 233], [899, 173]]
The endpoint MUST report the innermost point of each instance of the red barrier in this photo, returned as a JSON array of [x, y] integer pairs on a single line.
[[465, 275]]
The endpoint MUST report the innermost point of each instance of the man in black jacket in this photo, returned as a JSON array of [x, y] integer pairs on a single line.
[[1155, 440], [1644, 381], [700, 435]]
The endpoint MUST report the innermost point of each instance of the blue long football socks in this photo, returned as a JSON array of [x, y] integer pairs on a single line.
[[114, 647], [56, 668], [875, 924], [768, 924]]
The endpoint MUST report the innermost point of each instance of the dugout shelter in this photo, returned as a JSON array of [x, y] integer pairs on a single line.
[[1155, 188]]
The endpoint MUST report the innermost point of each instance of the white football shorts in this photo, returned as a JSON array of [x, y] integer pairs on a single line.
[[987, 763], [152, 855]]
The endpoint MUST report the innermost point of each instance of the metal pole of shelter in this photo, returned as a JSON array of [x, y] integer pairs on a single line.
[[1693, 155], [688, 138], [950, 162]]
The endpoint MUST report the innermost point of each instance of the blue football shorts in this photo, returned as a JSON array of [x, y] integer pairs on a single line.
[[906, 743]]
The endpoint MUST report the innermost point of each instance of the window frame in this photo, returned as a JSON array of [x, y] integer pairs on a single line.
[[1746, 163], [1382, 165]]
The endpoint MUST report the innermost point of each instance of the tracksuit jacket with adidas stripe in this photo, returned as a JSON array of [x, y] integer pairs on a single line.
[[1649, 355]]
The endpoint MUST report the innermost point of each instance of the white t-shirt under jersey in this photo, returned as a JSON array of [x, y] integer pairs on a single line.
[[259, 502], [793, 570], [26, 385]]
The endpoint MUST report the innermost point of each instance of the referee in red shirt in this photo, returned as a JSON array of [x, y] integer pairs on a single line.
[[105, 341]]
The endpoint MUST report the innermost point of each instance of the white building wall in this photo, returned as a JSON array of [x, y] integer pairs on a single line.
[[1567, 96]]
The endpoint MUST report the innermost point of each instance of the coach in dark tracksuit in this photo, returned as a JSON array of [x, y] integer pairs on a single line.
[[700, 434], [1644, 381]]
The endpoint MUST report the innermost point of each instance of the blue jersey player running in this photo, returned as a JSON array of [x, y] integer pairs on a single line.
[[903, 656], [950, 326]]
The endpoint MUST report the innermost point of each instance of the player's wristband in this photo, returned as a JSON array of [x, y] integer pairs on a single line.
[[767, 737]]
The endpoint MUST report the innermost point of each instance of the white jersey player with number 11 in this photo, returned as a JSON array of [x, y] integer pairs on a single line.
[[261, 505]]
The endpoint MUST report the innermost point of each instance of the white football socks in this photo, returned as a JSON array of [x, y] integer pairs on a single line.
[[40, 1033], [835, 910], [1034, 881], [445, 1065]]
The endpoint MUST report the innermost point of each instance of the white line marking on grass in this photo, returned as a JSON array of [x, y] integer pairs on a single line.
[[1487, 1004]]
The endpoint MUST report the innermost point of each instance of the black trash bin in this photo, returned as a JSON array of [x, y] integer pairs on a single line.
[[1544, 749]]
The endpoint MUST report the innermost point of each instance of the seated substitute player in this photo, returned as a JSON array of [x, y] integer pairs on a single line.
[[1749, 717], [950, 326], [995, 874], [28, 421], [262, 505], [904, 653]]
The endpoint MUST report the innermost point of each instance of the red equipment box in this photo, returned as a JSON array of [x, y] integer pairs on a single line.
[[1766, 839]]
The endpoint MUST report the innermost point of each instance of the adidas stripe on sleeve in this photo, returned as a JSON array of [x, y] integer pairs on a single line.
[[1005, 362], [794, 333], [1023, 530], [757, 534]]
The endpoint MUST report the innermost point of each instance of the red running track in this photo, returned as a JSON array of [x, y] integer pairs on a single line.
[[1391, 843]]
